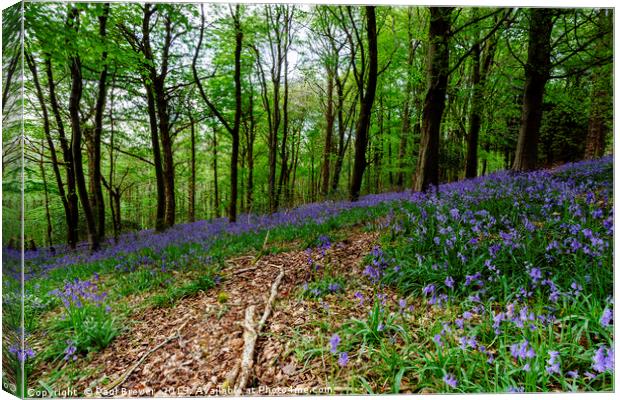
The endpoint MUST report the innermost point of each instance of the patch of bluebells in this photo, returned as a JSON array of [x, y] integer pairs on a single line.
[[377, 266], [515, 253], [87, 314], [77, 293]]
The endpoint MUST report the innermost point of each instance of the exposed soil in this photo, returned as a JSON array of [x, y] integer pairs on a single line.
[[210, 340]]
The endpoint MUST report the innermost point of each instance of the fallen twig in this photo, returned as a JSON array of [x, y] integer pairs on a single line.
[[244, 270], [272, 297]]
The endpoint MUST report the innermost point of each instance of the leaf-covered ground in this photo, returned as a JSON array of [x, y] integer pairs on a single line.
[[210, 341]]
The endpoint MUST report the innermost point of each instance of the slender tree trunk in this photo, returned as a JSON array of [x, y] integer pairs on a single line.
[[72, 214], [46, 199], [471, 162], [427, 173], [234, 129], [48, 136], [149, 84], [166, 147], [537, 71], [114, 194], [277, 49], [406, 116], [76, 139], [389, 163], [160, 223], [601, 109], [250, 134], [191, 208], [216, 193], [479, 74], [342, 128], [329, 132], [98, 204], [363, 121], [285, 115], [234, 158]]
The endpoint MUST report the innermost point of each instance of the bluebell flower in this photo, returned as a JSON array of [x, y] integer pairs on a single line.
[[333, 343], [450, 380], [343, 359], [553, 364], [603, 359], [449, 282], [607, 318]]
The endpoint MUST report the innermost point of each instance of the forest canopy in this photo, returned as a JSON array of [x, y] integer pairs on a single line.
[[141, 116]]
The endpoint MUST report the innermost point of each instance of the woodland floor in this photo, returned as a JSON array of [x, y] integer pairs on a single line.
[[209, 340]]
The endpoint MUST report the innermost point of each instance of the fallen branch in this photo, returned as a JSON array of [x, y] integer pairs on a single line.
[[272, 297], [247, 358], [242, 271], [250, 335], [127, 373]]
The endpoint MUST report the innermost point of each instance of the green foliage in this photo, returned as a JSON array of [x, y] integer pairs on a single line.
[[175, 293]]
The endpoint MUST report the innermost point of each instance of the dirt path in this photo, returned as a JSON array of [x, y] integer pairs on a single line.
[[211, 339]]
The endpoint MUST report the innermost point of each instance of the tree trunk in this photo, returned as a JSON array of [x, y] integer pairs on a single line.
[[479, 75], [97, 194], [76, 138], [191, 198], [406, 116], [72, 212], [342, 129], [114, 194], [234, 158], [166, 147], [160, 217], [160, 223], [471, 162], [601, 109], [427, 173], [46, 199], [216, 193], [48, 136], [285, 115], [537, 71], [234, 129], [363, 122], [250, 135], [329, 132]]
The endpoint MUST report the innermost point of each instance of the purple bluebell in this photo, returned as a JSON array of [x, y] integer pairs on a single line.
[[607, 318], [450, 380], [603, 359], [449, 282], [334, 341], [343, 359]]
